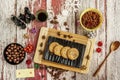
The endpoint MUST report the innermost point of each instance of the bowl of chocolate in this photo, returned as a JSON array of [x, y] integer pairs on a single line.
[[91, 19], [14, 53]]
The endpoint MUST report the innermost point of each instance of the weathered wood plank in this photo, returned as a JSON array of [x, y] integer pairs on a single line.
[[20, 32], [96, 58], [56, 8], [113, 29], [7, 36]]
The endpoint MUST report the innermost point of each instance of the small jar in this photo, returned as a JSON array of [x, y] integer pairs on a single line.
[[41, 15]]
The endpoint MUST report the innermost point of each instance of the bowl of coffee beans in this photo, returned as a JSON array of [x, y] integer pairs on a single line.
[[14, 53], [91, 19]]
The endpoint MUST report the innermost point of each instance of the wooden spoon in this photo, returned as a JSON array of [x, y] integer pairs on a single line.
[[114, 46]]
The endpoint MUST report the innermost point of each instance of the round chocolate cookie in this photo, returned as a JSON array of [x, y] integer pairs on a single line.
[[14, 53], [52, 46], [64, 51], [73, 53], [57, 50]]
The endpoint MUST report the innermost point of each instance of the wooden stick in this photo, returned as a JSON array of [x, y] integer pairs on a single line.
[[100, 66]]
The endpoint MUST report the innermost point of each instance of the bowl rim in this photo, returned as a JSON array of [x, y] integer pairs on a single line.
[[4, 55], [94, 10], [41, 11]]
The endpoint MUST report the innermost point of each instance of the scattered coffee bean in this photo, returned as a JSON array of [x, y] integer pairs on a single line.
[[67, 29], [65, 23], [55, 17], [56, 22]]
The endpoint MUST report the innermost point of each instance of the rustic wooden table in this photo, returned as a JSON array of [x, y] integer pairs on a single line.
[[67, 11]]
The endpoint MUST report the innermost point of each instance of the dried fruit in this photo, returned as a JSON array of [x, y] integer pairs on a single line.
[[27, 11], [98, 50], [28, 61], [22, 17], [100, 43], [29, 48], [18, 22]]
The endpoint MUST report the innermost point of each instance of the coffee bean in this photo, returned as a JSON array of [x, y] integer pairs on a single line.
[[67, 29], [65, 23]]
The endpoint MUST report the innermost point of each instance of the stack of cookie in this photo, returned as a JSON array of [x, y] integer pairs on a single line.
[[64, 51]]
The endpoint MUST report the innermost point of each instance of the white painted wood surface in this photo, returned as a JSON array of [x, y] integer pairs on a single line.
[[107, 33]]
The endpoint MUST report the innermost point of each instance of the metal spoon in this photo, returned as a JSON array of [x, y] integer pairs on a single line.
[[114, 46]]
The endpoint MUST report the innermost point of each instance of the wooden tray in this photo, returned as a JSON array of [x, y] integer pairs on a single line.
[[43, 38]]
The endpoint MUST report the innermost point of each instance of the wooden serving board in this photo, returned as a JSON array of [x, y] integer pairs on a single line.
[[42, 40]]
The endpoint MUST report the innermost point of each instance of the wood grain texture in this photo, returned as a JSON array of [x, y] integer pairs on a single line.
[[107, 33]]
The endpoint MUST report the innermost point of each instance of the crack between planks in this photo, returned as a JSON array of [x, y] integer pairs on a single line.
[[15, 9], [105, 14]]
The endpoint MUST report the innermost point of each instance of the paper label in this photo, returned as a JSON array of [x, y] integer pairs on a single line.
[[23, 73]]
